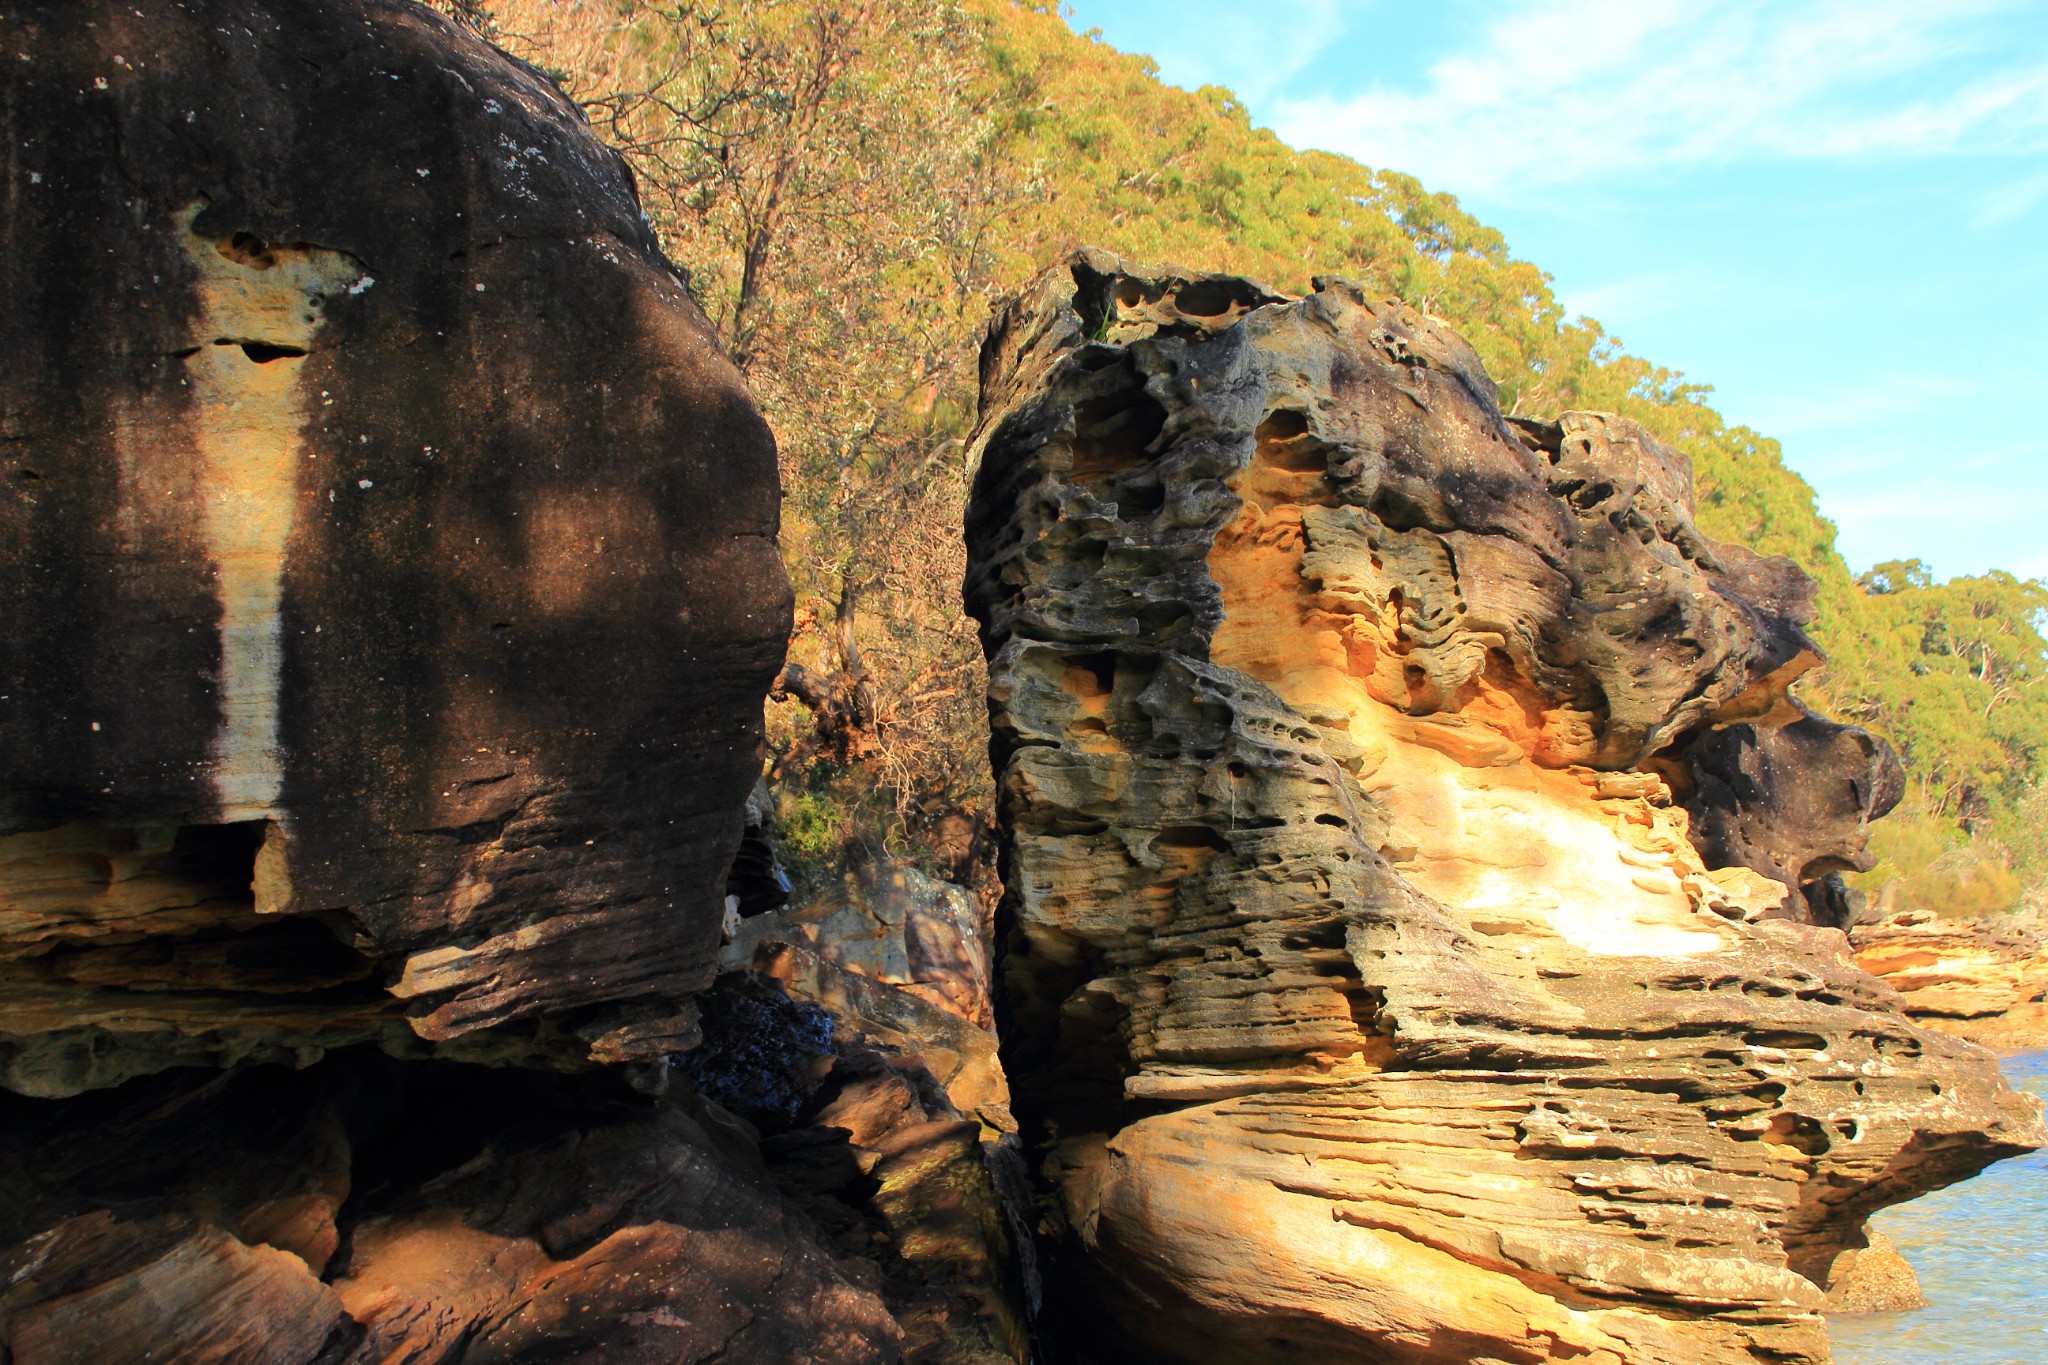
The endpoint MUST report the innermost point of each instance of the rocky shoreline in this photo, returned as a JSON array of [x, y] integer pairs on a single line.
[[1420, 937]]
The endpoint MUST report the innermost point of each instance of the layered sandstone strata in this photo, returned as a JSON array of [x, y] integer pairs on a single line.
[[1982, 979], [388, 593], [1403, 960]]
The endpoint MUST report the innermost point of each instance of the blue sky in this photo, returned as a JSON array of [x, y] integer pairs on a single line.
[[1834, 213]]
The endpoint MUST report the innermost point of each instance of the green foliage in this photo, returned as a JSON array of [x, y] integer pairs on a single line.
[[1924, 863], [828, 173], [852, 186], [2023, 832], [810, 830], [1956, 674]]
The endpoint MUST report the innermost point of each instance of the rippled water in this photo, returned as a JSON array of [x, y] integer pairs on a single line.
[[1981, 1248]]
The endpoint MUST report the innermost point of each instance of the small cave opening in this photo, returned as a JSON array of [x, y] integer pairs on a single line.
[[1540, 437], [1217, 298], [1285, 442], [221, 858], [1090, 676], [1190, 838], [1113, 433], [1798, 1132], [248, 250], [1399, 509]]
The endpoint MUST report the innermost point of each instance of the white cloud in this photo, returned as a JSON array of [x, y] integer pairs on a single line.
[[1557, 92], [1878, 400], [1618, 302], [1207, 44], [2012, 201], [1967, 510]]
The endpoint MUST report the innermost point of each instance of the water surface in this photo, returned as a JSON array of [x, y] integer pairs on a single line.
[[1981, 1248]]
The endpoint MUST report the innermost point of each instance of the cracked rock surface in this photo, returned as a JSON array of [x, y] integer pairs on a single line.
[[1402, 961]]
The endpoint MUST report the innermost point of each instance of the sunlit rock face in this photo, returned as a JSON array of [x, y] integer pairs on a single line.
[[1366, 991], [1981, 979], [380, 527]]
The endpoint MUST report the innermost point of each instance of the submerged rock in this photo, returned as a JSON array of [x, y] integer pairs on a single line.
[[1874, 1279], [1366, 994]]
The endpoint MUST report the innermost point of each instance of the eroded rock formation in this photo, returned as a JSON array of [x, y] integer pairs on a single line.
[[1794, 802], [388, 592], [1394, 969], [1981, 979], [381, 519]]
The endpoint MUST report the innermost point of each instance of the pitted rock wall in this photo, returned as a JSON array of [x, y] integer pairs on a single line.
[[1366, 994]]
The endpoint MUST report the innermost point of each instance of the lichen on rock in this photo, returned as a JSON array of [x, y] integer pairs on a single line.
[[1370, 989]]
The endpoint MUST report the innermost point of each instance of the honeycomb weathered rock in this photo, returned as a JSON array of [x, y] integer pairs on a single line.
[[1364, 994]]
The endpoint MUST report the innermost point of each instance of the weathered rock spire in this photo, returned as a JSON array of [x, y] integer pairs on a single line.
[[1365, 991]]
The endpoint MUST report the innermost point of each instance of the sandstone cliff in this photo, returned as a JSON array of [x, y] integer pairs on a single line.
[[1417, 869], [388, 592], [1981, 979]]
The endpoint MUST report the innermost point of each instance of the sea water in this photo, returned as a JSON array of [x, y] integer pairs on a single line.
[[1981, 1248]]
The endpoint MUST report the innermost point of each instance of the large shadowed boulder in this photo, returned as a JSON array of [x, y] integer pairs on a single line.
[[388, 585], [388, 593]]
